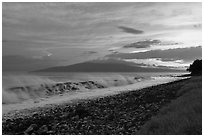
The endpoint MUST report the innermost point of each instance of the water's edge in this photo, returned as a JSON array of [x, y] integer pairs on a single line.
[[71, 97]]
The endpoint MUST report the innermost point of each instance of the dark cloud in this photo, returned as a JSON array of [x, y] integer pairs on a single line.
[[187, 54], [90, 52], [148, 43], [130, 30], [142, 44]]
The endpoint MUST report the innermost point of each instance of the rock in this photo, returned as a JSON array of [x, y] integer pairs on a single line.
[[50, 132], [20, 125], [54, 127], [42, 130], [8, 120], [35, 114], [30, 129], [147, 105], [75, 118]]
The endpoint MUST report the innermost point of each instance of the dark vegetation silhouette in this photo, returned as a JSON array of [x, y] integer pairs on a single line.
[[196, 68]]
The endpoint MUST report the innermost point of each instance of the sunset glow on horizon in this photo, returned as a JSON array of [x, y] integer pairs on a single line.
[[53, 34]]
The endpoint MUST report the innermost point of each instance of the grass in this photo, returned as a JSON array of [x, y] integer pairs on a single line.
[[183, 116]]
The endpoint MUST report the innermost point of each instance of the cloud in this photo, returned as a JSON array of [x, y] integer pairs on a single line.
[[90, 52], [130, 30], [142, 44], [158, 62], [68, 29], [150, 43], [186, 54]]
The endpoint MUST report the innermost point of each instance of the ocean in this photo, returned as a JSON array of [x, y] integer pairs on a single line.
[[25, 79], [28, 89]]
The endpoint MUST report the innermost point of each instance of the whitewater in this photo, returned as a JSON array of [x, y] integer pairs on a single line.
[[31, 91]]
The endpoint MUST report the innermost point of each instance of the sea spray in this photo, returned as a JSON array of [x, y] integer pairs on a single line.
[[108, 79], [24, 80], [8, 98], [19, 88]]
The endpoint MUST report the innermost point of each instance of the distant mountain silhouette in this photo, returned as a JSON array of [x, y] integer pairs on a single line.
[[105, 66]]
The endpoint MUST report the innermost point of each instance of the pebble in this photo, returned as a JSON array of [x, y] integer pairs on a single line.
[[30, 129], [35, 114], [42, 130]]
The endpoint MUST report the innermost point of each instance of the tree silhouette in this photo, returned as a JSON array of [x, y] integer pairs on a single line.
[[196, 67]]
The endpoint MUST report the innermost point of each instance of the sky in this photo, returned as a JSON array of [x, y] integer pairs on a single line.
[[40, 35]]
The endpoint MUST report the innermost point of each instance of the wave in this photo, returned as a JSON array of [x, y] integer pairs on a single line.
[[17, 89]]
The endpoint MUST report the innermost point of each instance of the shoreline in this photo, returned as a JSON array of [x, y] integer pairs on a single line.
[[148, 101], [73, 97]]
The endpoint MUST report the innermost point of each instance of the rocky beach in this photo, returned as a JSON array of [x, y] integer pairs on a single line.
[[102, 68], [123, 113]]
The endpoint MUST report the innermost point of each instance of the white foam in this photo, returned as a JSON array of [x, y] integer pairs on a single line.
[[91, 94]]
